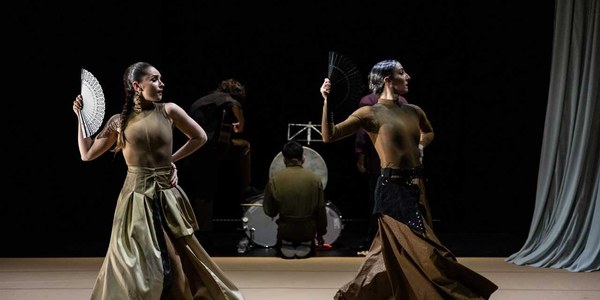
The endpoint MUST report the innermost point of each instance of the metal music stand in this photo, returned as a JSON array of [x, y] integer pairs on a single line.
[[308, 128]]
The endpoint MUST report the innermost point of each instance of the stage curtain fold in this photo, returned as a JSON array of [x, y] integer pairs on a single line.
[[565, 228]]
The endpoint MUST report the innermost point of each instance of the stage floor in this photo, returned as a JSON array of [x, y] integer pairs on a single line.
[[350, 239], [265, 278]]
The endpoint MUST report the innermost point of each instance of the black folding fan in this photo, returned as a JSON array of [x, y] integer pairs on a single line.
[[346, 83]]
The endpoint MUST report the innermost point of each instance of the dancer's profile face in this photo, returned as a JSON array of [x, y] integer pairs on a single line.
[[399, 80], [152, 85]]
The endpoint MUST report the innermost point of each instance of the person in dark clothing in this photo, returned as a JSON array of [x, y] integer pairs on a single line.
[[220, 170], [295, 195]]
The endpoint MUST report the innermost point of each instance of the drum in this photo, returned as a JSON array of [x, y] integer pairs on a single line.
[[312, 161], [334, 223], [262, 230]]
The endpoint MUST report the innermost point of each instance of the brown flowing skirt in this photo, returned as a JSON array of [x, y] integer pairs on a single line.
[[153, 253], [403, 264]]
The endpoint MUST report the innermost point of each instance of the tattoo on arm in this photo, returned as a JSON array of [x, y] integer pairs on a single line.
[[111, 126]]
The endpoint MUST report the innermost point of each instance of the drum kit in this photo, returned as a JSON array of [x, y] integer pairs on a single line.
[[262, 229]]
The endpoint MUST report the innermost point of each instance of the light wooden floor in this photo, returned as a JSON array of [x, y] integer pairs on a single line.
[[263, 278]]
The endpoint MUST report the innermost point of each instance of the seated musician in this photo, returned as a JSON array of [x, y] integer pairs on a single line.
[[296, 195]]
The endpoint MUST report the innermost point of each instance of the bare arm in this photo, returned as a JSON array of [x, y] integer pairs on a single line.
[[91, 148], [196, 135], [238, 113], [326, 127]]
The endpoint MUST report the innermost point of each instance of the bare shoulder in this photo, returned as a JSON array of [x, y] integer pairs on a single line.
[[114, 118], [176, 113], [172, 107], [114, 122]]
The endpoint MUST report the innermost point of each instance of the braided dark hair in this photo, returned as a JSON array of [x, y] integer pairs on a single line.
[[134, 72]]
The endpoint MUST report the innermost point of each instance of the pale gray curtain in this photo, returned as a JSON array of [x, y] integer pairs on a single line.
[[565, 229]]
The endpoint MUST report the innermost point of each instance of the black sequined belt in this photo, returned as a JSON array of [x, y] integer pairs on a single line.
[[410, 175]]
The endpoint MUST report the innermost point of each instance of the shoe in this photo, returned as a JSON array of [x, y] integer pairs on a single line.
[[243, 245], [303, 250], [287, 249]]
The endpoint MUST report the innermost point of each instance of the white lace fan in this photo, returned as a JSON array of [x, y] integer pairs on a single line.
[[92, 113]]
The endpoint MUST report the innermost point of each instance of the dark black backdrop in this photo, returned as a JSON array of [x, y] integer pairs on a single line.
[[480, 70]]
